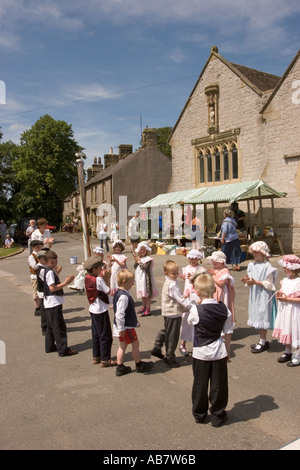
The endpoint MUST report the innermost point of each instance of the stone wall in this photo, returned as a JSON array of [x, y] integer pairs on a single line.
[[268, 145]]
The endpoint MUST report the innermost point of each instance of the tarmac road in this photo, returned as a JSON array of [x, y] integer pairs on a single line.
[[54, 403]]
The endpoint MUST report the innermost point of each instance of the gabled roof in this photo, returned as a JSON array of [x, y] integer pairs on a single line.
[[278, 86], [259, 82], [146, 151]]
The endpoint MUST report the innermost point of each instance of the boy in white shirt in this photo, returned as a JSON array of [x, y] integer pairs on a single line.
[[56, 333], [210, 319], [173, 305], [97, 291]]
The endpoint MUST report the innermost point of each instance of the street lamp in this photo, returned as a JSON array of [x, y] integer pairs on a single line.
[[85, 233]]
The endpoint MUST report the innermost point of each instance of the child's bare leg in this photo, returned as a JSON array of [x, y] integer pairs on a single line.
[[121, 352], [136, 351]]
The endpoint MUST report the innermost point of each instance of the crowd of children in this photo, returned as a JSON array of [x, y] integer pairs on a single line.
[[204, 314]]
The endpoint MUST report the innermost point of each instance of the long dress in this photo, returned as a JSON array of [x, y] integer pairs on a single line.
[[226, 294], [261, 305], [114, 272], [187, 331], [287, 324], [144, 279]]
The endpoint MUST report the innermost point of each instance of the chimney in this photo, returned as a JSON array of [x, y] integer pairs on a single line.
[[96, 168], [110, 159], [149, 138], [124, 150]]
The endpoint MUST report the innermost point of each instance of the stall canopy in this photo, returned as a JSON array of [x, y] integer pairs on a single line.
[[216, 194]]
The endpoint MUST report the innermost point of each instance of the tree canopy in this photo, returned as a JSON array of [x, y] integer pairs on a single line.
[[43, 169]]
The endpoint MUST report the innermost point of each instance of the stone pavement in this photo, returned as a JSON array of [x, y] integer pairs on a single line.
[[49, 403]]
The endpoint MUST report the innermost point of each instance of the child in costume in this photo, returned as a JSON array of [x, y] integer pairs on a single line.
[[224, 283], [145, 283], [97, 290], [125, 322], [261, 277], [287, 324], [194, 257], [117, 262]]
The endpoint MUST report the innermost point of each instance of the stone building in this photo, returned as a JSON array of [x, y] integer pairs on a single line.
[[128, 180], [238, 125]]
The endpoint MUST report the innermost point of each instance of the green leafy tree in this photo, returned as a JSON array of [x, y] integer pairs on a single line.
[[163, 134], [47, 169], [9, 152]]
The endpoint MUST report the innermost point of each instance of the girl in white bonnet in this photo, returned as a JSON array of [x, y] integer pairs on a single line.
[[145, 283], [261, 277], [287, 324], [194, 257]]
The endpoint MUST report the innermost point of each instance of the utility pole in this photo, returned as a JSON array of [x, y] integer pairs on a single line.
[[85, 232]]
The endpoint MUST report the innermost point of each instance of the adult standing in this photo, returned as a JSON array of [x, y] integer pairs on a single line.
[[42, 233], [3, 229], [133, 231], [102, 229], [29, 231], [230, 244], [196, 233], [239, 216]]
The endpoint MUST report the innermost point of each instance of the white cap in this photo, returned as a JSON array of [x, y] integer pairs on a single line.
[[195, 254], [141, 245], [218, 256], [261, 247], [98, 249]]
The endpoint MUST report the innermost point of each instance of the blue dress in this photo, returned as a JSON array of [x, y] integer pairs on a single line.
[[262, 308]]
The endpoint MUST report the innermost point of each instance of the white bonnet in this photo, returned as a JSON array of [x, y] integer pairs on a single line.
[[118, 242], [141, 245], [290, 262], [218, 256], [195, 254], [260, 246], [98, 249]]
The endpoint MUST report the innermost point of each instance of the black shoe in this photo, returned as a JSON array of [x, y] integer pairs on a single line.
[[37, 312], [285, 357], [217, 421], [157, 353], [122, 370], [172, 363], [258, 348], [144, 366]]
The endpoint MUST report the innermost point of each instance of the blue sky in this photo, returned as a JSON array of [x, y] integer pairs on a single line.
[[109, 67]]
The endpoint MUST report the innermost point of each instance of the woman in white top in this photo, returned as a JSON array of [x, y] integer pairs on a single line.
[[42, 233]]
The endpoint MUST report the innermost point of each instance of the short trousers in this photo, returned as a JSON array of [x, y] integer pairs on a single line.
[[34, 289], [129, 337]]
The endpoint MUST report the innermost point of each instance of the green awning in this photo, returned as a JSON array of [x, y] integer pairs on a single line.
[[225, 193]]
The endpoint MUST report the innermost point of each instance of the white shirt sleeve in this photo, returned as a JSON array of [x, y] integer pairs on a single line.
[[175, 293], [122, 304]]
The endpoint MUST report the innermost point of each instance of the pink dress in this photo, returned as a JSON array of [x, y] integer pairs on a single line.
[[287, 323], [226, 293], [187, 331]]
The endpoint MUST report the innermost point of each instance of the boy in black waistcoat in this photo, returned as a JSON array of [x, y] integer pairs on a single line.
[[210, 319], [125, 322], [56, 333]]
